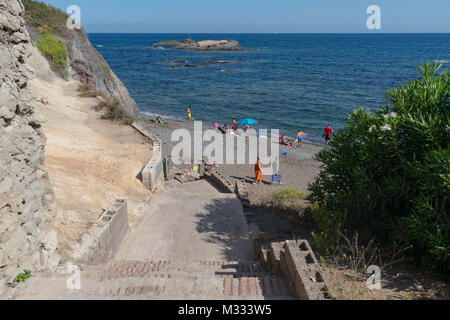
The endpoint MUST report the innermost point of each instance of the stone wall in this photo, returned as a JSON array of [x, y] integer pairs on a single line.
[[26, 198]]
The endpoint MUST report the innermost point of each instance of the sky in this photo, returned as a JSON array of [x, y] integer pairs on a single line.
[[259, 16]]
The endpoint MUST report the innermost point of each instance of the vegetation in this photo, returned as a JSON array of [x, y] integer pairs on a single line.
[[53, 48], [87, 91], [42, 15], [112, 110], [386, 174], [287, 200], [22, 277]]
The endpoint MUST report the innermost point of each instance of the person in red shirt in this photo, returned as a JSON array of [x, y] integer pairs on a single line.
[[328, 132]]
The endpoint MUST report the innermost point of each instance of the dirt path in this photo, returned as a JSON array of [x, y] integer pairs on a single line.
[[90, 161]]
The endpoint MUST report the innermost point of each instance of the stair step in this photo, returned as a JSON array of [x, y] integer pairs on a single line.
[[139, 269], [265, 285], [205, 279]]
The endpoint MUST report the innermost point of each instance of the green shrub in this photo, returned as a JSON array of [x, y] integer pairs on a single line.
[[329, 226], [22, 277], [389, 170], [289, 194], [287, 200], [53, 48]]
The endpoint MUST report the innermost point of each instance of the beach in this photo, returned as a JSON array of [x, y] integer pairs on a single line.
[[298, 168]]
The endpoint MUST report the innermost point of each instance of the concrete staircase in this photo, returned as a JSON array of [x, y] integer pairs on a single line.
[[140, 280]]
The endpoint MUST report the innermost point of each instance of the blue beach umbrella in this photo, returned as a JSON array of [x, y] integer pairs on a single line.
[[247, 122]]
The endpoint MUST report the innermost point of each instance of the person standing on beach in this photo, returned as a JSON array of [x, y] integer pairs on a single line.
[[328, 132], [300, 138], [258, 171], [234, 126], [189, 114]]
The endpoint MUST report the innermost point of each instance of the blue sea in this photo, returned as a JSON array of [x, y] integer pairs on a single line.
[[285, 81]]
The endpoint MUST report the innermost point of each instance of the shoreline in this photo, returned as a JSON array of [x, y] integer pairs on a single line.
[[179, 124], [298, 168]]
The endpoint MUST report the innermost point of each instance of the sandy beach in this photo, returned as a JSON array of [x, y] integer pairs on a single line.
[[298, 168]]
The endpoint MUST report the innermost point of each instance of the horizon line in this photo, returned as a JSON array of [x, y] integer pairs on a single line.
[[374, 33]]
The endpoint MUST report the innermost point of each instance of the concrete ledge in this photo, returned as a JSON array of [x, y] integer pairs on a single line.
[[221, 182], [145, 132], [242, 193], [102, 241]]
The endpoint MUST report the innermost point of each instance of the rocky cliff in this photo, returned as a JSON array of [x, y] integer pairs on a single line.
[[87, 64], [27, 240]]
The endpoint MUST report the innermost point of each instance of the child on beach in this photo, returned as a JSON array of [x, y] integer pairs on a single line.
[[189, 114], [258, 171]]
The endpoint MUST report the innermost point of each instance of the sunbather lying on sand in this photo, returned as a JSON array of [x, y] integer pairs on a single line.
[[158, 119]]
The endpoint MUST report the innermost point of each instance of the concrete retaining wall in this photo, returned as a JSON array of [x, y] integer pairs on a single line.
[[102, 241], [221, 182], [153, 172], [242, 193]]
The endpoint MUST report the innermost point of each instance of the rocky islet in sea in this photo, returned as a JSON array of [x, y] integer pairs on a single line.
[[205, 45]]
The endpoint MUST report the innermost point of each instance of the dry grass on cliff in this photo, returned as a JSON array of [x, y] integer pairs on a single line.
[[87, 91], [39, 14], [111, 110]]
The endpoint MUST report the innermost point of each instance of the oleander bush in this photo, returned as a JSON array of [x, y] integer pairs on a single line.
[[386, 175]]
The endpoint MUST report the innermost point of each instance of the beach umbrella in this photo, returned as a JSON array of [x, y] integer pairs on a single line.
[[247, 122]]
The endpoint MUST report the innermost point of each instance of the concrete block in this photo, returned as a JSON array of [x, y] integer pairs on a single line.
[[303, 271]]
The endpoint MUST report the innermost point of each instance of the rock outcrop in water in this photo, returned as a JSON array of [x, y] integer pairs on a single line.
[[206, 45], [26, 196]]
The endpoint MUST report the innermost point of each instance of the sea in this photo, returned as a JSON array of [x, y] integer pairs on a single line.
[[288, 82]]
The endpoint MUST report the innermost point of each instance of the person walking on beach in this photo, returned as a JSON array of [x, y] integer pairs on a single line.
[[328, 132], [258, 171], [189, 114]]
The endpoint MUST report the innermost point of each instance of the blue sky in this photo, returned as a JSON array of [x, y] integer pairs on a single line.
[[248, 16]]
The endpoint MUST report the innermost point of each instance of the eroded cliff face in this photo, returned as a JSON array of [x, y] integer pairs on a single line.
[[86, 64], [27, 240]]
